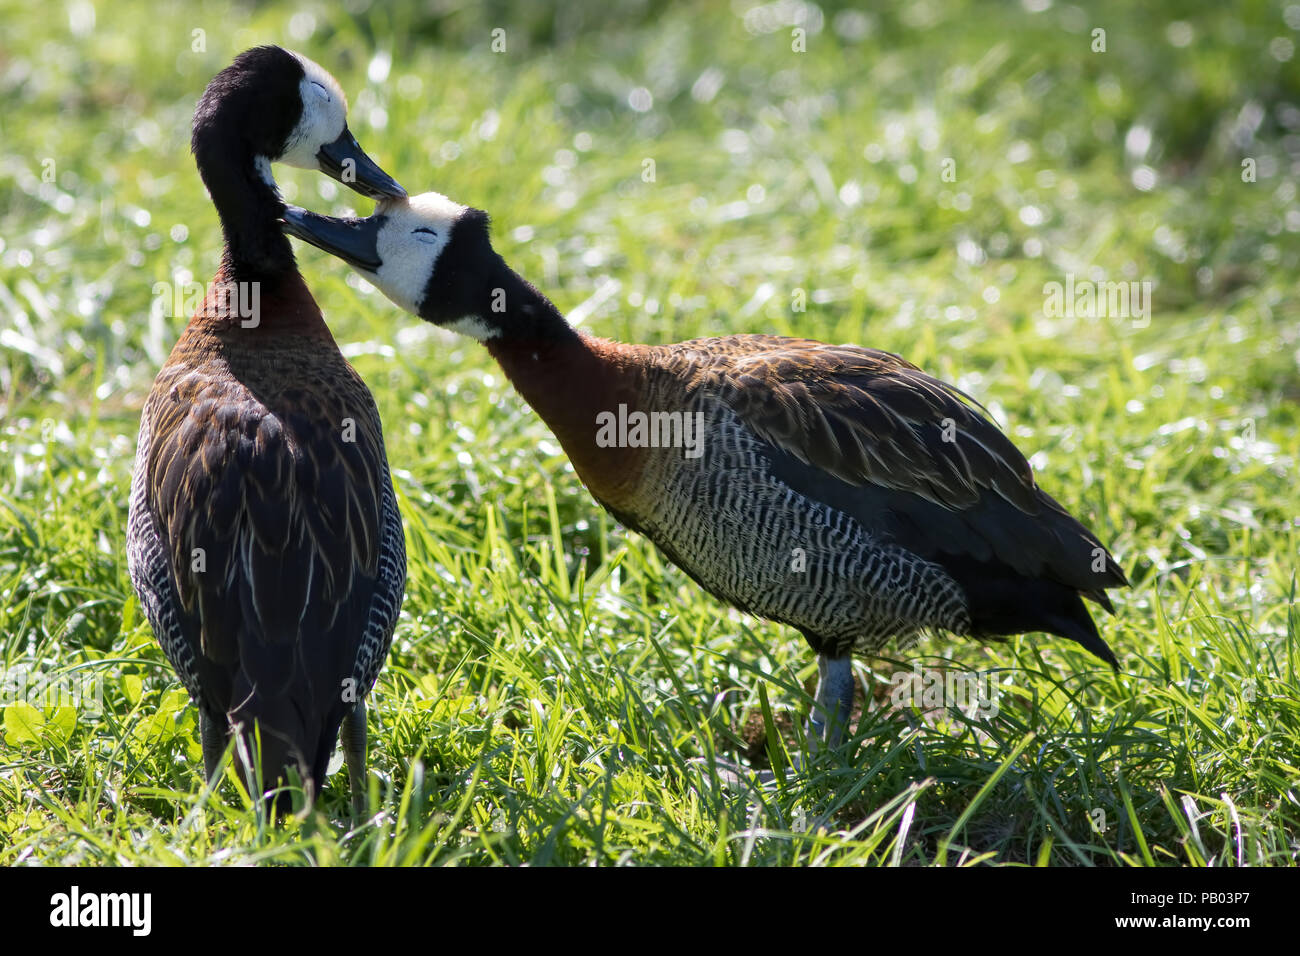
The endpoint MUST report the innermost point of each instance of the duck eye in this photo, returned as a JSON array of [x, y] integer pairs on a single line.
[[321, 91], [425, 235]]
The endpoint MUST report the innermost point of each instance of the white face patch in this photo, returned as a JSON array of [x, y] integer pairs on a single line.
[[263, 167], [409, 244], [474, 327], [324, 114]]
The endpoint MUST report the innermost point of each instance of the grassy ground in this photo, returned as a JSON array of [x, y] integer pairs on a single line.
[[551, 676]]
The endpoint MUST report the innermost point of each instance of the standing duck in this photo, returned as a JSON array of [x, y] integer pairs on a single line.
[[836, 489], [263, 538]]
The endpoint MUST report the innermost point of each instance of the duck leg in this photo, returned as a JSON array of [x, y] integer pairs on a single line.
[[832, 711], [834, 704], [352, 736], [212, 735]]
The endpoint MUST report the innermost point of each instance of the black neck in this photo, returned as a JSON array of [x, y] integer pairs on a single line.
[[471, 279], [519, 312], [249, 208]]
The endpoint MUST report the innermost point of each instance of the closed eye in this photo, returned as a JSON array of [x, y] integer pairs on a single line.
[[425, 234], [321, 91]]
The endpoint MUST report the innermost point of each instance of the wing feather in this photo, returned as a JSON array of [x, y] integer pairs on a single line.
[[270, 527], [868, 419]]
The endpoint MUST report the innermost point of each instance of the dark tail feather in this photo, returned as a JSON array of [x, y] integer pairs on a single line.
[[288, 737], [1002, 602], [1102, 598], [1081, 629]]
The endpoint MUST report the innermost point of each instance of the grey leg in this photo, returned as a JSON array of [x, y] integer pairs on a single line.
[[832, 711], [834, 704], [213, 736], [353, 738]]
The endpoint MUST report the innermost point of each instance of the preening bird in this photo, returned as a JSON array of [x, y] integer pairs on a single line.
[[836, 489], [263, 538]]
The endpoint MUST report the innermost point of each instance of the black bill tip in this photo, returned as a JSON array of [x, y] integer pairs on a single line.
[[346, 161], [355, 241]]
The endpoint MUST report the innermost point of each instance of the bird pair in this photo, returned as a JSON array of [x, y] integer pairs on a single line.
[[836, 489]]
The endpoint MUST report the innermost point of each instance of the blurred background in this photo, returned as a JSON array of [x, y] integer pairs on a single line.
[[917, 175], [912, 179]]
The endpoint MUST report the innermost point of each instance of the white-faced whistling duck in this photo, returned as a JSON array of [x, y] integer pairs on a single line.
[[836, 489], [264, 539]]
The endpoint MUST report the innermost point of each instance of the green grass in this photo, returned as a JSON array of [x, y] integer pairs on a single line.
[[552, 677]]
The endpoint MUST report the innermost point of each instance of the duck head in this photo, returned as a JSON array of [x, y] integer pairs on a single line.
[[433, 257], [273, 105]]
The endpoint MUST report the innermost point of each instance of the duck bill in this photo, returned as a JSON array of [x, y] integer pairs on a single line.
[[346, 161], [355, 241]]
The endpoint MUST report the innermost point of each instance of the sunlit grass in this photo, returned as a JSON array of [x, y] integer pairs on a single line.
[[553, 677]]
